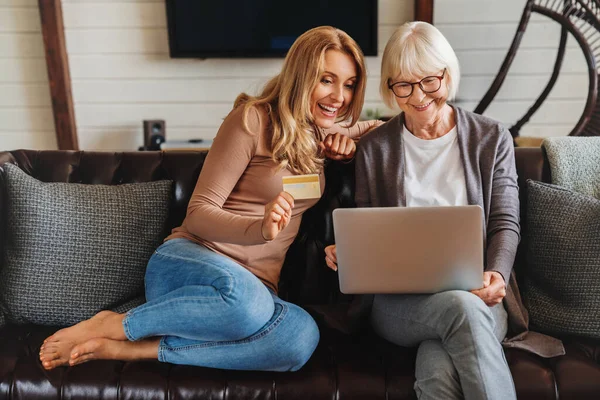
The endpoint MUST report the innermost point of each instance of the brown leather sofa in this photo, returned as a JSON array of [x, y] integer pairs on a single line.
[[343, 366]]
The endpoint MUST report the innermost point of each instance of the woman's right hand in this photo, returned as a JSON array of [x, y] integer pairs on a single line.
[[331, 257], [278, 214]]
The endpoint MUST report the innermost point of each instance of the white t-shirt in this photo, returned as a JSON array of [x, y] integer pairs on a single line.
[[434, 174]]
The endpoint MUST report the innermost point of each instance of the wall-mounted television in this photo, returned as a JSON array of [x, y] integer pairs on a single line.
[[262, 28]]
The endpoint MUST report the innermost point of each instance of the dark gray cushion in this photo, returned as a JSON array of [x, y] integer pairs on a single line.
[[561, 286], [74, 249]]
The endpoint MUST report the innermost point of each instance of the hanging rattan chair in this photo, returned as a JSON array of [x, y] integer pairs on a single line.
[[580, 18]]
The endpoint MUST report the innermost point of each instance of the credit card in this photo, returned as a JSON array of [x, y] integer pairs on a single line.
[[302, 186]]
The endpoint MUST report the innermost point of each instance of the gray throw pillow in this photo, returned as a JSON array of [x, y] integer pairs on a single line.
[[74, 249], [561, 285]]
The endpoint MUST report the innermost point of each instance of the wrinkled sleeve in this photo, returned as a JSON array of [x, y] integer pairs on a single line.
[[503, 230], [356, 131], [362, 196], [228, 158]]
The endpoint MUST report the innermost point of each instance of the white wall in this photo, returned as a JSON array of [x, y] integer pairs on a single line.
[[122, 73], [25, 109], [481, 32]]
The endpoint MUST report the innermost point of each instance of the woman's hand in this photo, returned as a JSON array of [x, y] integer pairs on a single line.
[[494, 288], [331, 257], [278, 214], [338, 147]]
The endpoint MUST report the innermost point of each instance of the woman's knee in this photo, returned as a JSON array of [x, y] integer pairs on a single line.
[[297, 340], [249, 303], [465, 307], [155, 284]]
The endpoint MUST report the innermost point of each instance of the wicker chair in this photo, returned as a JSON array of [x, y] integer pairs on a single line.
[[581, 19]]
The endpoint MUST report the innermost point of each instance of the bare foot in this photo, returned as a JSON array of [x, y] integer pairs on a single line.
[[52, 355], [107, 349], [56, 349]]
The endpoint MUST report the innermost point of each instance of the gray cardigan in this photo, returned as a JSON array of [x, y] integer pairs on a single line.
[[487, 154]]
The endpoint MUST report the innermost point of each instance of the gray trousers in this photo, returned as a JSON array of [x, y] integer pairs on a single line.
[[458, 335]]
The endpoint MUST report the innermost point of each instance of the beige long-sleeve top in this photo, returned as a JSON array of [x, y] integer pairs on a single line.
[[238, 178]]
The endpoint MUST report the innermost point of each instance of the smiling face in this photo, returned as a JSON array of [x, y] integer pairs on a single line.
[[423, 107], [335, 89]]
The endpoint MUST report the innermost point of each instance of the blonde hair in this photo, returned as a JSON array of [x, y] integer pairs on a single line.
[[287, 98], [416, 49]]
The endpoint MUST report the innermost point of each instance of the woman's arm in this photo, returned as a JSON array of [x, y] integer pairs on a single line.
[[503, 230], [340, 141], [362, 196], [356, 131], [228, 158]]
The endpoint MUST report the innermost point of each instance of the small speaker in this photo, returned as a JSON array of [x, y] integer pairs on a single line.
[[154, 133]]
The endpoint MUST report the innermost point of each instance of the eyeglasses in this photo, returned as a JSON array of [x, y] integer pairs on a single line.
[[429, 84]]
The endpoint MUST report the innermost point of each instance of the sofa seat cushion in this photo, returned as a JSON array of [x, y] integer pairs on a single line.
[[74, 249], [352, 368], [561, 285], [578, 373], [342, 367]]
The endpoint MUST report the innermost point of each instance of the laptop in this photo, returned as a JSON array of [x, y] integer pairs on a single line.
[[409, 249]]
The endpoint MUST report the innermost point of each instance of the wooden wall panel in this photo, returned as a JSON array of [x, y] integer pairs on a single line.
[[58, 74], [424, 10]]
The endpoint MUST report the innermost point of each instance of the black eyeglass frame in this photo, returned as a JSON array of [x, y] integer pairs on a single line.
[[412, 85]]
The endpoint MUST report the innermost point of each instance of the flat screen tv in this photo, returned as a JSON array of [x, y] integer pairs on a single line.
[[262, 28]]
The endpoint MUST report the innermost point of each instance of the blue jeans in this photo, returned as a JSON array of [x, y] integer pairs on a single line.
[[212, 312]]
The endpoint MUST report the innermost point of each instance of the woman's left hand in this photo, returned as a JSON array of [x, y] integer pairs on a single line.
[[338, 147], [331, 257], [493, 290]]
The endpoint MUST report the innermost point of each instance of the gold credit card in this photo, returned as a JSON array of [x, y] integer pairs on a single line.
[[302, 186]]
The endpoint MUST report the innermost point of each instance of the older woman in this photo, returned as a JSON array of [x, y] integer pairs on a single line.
[[433, 153]]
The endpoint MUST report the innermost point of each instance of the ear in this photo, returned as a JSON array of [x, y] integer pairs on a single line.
[[449, 85]]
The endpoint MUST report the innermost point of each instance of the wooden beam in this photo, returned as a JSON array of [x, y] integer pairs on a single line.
[[59, 76], [424, 10]]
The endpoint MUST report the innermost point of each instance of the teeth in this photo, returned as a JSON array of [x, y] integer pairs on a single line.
[[327, 108], [423, 106]]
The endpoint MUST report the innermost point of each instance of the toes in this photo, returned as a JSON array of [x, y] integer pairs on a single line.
[[49, 356], [76, 352], [53, 354], [85, 351], [48, 364], [54, 337], [48, 350], [53, 364], [49, 347], [84, 348], [81, 359]]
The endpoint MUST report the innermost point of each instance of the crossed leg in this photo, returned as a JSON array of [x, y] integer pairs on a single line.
[[192, 293]]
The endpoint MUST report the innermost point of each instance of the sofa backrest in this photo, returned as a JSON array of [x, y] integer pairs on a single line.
[[305, 279], [115, 168], [532, 163]]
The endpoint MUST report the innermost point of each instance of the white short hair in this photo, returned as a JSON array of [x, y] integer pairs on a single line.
[[415, 49]]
